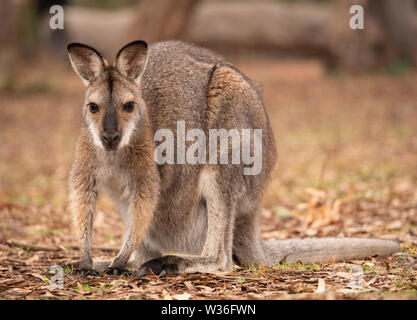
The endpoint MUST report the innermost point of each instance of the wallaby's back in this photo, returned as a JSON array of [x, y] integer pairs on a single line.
[[176, 82]]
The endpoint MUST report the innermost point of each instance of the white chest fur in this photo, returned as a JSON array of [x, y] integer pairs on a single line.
[[113, 180]]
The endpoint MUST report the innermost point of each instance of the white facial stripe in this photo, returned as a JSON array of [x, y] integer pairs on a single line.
[[95, 96], [130, 128], [96, 135], [129, 98]]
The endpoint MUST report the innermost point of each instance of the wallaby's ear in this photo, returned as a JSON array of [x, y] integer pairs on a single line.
[[131, 59], [86, 61]]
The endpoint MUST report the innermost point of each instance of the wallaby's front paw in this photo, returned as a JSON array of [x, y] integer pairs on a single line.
[[84, 272], [84, 268], [162, 266], [117, 271]]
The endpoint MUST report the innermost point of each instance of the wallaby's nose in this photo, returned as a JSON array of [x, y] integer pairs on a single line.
[[110, 137]]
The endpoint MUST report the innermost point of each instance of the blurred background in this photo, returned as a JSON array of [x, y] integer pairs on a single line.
[[342, 103]]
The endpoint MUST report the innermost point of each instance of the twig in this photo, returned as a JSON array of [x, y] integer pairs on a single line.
[[14, 243], [101, 248]]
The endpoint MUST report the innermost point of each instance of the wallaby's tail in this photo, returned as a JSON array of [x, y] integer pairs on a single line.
[[323, 250]]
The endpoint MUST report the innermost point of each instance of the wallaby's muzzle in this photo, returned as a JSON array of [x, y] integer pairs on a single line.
[[111, 139]]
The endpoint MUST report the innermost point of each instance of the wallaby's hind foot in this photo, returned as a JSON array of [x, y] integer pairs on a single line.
[[162, 266], [168, 265], [144, 253], [117, 271], [103, 266], [85, 272]]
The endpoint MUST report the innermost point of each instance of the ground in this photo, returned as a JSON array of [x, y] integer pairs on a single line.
[[347, 167]]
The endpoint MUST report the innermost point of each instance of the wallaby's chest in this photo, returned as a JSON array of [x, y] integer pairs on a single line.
[[113, 180]]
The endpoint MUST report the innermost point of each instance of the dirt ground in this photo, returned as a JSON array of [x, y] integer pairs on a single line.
[[347, 167]]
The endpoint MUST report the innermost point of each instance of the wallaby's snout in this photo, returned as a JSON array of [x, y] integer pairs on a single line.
[[110, 136], [110, 139]]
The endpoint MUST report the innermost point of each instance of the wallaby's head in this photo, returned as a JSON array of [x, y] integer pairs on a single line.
[[113, 104]]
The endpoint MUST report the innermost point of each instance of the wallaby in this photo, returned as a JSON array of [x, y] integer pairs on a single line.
[[205, 213]]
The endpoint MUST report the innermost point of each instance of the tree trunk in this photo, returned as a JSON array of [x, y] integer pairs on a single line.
[[397, 18], [11, 20], [234, 26], [389, 33], [161, 19], [302, 29]]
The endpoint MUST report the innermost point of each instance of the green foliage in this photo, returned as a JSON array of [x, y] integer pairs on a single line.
[[86, 287], [283, 212], [67, 269], [104, 4], [40, 85], [109, 236], [399, 67], [297, 266]]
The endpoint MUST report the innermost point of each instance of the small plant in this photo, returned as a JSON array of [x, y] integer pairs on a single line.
[[399, 67], [67, 269], [297, 266]]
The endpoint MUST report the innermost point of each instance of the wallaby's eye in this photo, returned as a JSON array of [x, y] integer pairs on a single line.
[[93, 107], [128, 107]]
